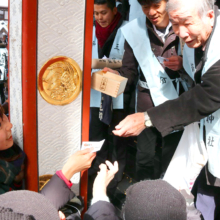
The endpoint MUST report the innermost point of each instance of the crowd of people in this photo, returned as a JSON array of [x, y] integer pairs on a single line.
[[169, 57], [57, 192], [117, 36], [169, 53]]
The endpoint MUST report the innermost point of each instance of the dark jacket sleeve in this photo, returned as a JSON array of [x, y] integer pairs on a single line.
[[57, 192], [101, 210], [129, 67], [191, 106]]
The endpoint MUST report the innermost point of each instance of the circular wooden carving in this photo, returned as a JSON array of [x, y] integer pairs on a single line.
[[60, 80]]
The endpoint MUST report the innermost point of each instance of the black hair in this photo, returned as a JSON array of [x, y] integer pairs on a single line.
[[148, 2], [125, 9], [110, 3]]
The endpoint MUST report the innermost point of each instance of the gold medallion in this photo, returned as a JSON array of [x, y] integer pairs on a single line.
[[60, 80]]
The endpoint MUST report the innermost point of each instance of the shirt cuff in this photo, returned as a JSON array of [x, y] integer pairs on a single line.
[[98, 198], [62, 177]]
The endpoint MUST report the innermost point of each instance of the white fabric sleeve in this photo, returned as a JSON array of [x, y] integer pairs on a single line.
[[100, 197]]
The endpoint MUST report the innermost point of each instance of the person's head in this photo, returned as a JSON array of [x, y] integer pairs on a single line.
[[155, 10], [23, 204], [6, 140], [154, 200], [192, 20], [104, 12]]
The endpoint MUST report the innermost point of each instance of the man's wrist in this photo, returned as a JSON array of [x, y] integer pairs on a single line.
[[147, 121]]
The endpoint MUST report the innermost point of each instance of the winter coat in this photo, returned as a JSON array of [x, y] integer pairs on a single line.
[[59, 194]]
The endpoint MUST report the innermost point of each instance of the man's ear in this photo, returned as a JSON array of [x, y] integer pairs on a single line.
[[115, 10], [211, 17]]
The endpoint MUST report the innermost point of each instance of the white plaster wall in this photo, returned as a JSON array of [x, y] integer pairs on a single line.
[[15, 70], [60, 33]]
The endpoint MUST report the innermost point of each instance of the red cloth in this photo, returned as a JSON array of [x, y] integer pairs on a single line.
[[62, 177], [102, 33]]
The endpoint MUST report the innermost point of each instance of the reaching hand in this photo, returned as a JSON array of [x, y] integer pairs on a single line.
[[175, 63], [78, 162], [106, 69], [104, 177], [132, 125]]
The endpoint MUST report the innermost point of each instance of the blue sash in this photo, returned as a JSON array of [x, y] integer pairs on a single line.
[[159, 83]]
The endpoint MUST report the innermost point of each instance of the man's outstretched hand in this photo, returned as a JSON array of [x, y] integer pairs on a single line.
[[132, 125]]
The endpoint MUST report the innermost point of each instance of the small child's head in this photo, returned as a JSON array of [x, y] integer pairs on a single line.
[[6, 140]]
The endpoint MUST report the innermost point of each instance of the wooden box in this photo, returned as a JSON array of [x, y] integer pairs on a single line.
[[108, 83]]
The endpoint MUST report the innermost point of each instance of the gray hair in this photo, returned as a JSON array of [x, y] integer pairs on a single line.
[[202, 6]]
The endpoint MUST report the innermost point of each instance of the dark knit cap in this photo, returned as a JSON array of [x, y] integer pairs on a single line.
[[154, 200], [26, 205]]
